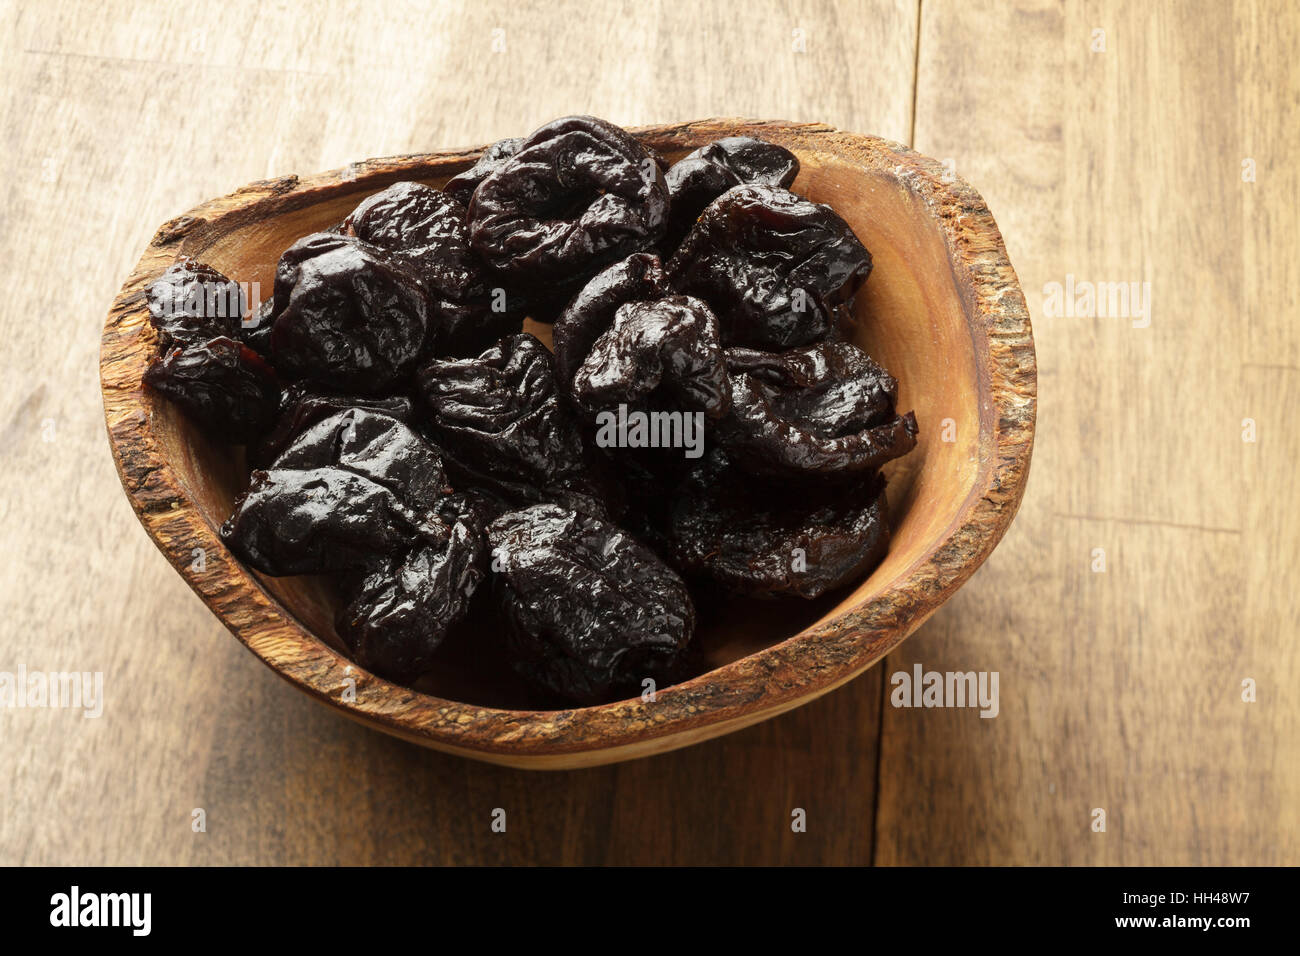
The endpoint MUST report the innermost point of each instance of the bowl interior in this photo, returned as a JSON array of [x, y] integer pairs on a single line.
[[911, 318]]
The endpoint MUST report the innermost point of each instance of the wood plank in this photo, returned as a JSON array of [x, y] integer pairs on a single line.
[[1122, 690], [119, 116]]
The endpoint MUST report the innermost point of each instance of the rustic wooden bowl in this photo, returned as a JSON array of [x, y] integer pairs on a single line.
[[942, 310]]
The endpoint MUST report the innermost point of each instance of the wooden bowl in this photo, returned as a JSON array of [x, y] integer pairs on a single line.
[[943, 311]]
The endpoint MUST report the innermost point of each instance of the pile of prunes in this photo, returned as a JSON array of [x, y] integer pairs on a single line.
[[703, 417]]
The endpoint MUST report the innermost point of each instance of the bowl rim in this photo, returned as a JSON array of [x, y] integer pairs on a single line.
[[760, 685]]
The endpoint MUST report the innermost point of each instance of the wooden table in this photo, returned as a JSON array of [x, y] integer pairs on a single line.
[[1162, 150]]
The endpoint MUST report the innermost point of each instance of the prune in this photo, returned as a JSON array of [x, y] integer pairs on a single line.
[[636, 278], [397, 616], [348, 315], [301, 407], [826, 409], [579, 194], [256, 334], [349, 491], [762, 540], [700, 177], [322, 519], [223, 386], [374, 446], [664, 354], [500, 422], [462, 185], [771, 265], [425, 228], [590, 611], [192, 303]]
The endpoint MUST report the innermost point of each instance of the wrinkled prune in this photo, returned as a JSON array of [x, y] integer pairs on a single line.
[[462, 185], [397, 616], [700, 177], [223, 386], [322, 519], [302, 407], [425, 228], [761, 540], [636, 278], [771, 265], [590, 611], [192, 303], [664, 354], [826, 409], [374, 446], [579, 194], [348, 315], [499, 420]]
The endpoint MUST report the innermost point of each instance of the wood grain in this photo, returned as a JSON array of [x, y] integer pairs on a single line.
[[1118, 689], [1122, 690]]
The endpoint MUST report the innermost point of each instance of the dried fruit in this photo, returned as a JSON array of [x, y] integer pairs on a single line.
[[663, 355], [348, 315], [591, 612], [425, 228], [301, 407], [826, 409], [192, 303], [772, 266], [225, 387], [579, 194], [702, 176], [398, 614], [462, 185], [499, 419], [760, 540]]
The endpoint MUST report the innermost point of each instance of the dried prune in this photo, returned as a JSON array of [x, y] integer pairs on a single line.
[[702, 176], [323, 519], [398, 614], [462, 185], [771, 265], [192, 303], [302, 407], [349, 491], [500, 422], [225, 387], [425, 228], [374, 446], [826, 409], [348, 315], [590, 611], [579, 194], [638, 277], [664, 354], [761, 540]]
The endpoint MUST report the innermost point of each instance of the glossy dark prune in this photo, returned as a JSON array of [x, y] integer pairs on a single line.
[[590, 611], [192, 303], [377, 447], [761, 540], [638, 277], [425, 228], [664, 354], [348, 315], [222, 385], [702, 176], [499, 420], [302, 407], [826, 409], [323, 519], [771, 265], [398, 614], [579, 194], [462, 185]]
